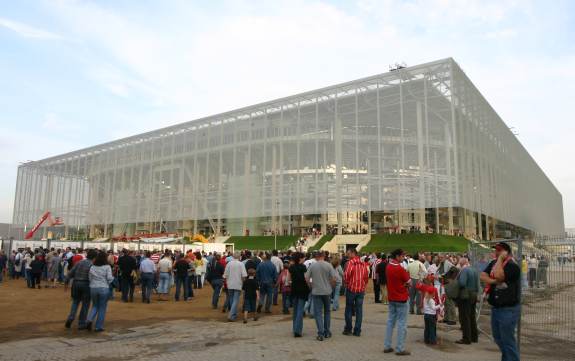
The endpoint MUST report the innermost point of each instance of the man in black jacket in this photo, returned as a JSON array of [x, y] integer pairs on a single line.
[[127, 264], [215, 277]]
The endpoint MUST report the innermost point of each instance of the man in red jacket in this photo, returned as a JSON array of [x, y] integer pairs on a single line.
[[397, 294], [355, 278]]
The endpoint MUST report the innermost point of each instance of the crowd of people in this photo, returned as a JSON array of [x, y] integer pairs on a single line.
[[440, 287]]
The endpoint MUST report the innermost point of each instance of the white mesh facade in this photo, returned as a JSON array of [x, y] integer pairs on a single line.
[[417, 147]]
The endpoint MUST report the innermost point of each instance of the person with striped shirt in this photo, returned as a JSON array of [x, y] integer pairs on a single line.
[[356, 277]]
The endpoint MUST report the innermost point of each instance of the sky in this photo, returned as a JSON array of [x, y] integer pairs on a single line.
[[79, 73]]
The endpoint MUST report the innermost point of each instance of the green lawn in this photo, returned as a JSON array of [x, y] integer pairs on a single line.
[[416, 242], [261, 243], [322, 241]]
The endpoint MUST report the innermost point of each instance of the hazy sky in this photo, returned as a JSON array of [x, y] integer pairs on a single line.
[[79, 73]]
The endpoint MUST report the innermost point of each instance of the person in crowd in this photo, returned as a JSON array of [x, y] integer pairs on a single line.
[[147, 272], [18, 260], [444, 264], [285, 289], [3, 264], [397, 293], [80, 290], [164, 273], [502, 277], [200, 269], [356, 277], [113, 262], [266, 275], [321, 278], [532, 264], [335, 262], [542, 266], [375, 278], [78, 256], [100, 276], [299, 291], [191, 282], [36, 269], [524, 272], [53, 265], [215, 277], [278, 263], [450, 313], [250, 287], [430, 309], [380, 270], [181, 269], [417, 272], [27, 268], [235, 273], [127, 265], [468, 280]]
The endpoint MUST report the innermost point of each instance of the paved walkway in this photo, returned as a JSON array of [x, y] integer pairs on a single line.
[[267, 339]]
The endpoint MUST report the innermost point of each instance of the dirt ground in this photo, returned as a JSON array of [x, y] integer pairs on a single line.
[[33, 313], [30, 313]]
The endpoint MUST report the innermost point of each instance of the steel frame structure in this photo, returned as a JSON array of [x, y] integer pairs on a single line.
[[402, 143]]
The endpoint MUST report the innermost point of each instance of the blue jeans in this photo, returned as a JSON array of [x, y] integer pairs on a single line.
[[397, 314], [234, 299], [227, 300], [414, 297], [28, 276], [80, 294], [164, 284], [298, 307], [182, 282], [266, 292], [322, 314], [430, 330], [99, 305], [188, 284], [217, 286], [308, 308], [353, 302], [335, 297], [147, 282], [286, 302], [503, 326]]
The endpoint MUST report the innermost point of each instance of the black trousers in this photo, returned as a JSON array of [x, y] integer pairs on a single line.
[[466, 309], [127, 284], [377, 290], [35, 278]]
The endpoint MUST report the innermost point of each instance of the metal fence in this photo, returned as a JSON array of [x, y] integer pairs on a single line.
[[547, 288]]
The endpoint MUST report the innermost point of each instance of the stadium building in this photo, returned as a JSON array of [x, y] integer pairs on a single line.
[[416, 149]]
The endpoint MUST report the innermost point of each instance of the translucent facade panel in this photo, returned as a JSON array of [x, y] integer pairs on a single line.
[[419, 139]]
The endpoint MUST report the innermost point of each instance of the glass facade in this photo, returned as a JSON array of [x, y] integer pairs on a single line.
[[417, 148]]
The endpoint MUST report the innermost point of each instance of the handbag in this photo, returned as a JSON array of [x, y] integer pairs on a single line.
[[452, 290]]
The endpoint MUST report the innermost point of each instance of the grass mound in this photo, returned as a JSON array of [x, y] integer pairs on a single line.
[[324, 239], [413, 242]]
